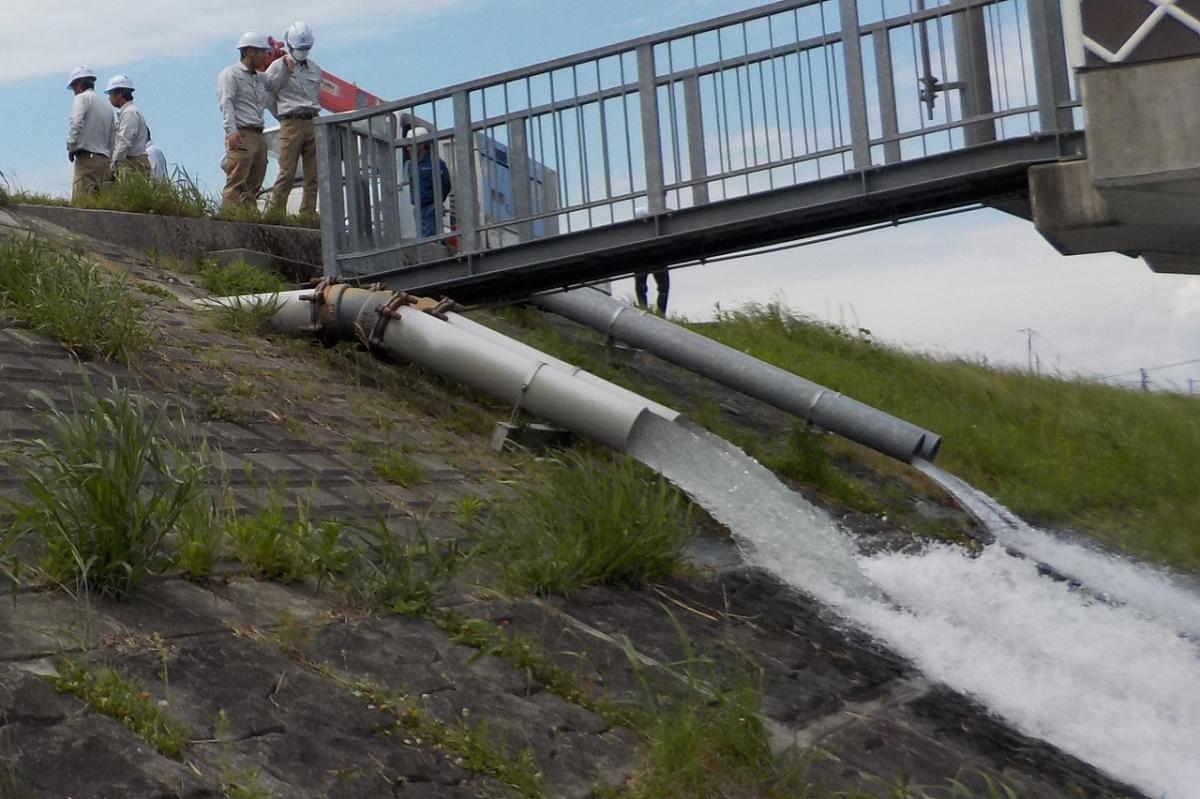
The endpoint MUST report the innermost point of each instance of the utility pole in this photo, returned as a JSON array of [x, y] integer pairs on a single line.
[[1145, 380], [1191, 385], [1028, 331]]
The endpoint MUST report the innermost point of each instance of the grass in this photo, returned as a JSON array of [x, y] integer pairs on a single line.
[[91, 313], [143, 194], [590, 520], [401, 572], [110, 480], [286, 544], [1114, 463], [107, 692], [395, 466], [225, 280], [528, 655], [247, 318]]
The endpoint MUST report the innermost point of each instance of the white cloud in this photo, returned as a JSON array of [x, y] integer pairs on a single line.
[[1186, 302], [47, 37]]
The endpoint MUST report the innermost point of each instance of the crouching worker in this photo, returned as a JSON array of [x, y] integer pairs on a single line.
[[133, 134]]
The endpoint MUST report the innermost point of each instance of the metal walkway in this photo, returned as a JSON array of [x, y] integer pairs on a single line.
[[764, 126]]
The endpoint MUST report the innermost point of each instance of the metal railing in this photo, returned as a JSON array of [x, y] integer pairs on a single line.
[[769, 98]]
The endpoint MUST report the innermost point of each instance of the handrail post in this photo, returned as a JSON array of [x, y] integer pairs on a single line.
[[886, 80], [466, 202], [656, 193], [333, 209], [695, 132], [856, 89], [522, 183], [1050, 69], [975, 74]]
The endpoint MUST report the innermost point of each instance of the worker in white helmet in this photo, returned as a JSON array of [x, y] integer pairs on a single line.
[[89, 135], [242, 96], [295, 83], [133, 134]]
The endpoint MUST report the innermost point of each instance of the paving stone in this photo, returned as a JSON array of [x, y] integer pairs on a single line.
[[309, 737], [37, 624], [272, 466], [574, 748], [54, 747]]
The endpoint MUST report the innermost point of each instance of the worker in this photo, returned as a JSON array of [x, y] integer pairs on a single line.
[[242, 96], [662, 280], [158, 162], [662, 284], [89, 135], [426, 199], [133, 134], [295, 83]]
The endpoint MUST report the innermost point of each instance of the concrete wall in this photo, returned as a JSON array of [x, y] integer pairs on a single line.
[[297, 250]]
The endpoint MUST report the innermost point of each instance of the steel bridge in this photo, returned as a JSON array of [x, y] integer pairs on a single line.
[[793, 119]]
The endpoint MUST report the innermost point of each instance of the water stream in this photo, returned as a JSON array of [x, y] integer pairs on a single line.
[[1112, 682]]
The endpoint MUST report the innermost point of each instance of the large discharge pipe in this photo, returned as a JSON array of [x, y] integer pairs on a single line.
[[737, 370], [587, 405]]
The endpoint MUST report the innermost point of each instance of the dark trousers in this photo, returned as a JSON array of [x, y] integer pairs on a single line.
[[662, 282]]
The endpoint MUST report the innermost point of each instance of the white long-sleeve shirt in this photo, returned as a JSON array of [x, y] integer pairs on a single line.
[[158, 162], [133, 134], [241, 96], [91, 124], [297, 90]]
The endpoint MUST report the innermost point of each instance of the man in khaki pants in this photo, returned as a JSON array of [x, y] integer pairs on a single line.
[[133, 134], [89, 135], [241, 96], [295, 82]]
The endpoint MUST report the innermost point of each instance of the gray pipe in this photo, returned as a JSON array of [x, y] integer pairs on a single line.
[[725, 365], [506, 373]]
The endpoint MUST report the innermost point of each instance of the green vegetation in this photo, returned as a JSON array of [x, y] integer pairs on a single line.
[[143, 194], [225, 280], [236, 783], [199, 533], [467, 511], [91, 313], [476, 747], [395, 466], [589, 520], [109, 693], [528, 656], [248, 318], [1114, 463], [401, 572], [282, 544], [113, 477]]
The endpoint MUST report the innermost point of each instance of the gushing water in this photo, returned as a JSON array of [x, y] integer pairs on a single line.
[[1115, 685], [1122, 580]]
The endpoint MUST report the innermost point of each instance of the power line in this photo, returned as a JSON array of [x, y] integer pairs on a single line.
[[1151, 369]]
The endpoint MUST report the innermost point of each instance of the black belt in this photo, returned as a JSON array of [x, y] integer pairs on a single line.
[[299, 115], [88, 154], [251, 127]]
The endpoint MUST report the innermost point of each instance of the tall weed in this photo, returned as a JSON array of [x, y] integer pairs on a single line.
[[602, 519], [91, 313], [401, 572], [112, 478], [286, 544]]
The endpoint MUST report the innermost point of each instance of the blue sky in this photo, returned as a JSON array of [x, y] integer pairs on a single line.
[[963, 285]]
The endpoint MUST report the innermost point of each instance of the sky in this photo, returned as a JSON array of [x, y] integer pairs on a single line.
[[960, 286]]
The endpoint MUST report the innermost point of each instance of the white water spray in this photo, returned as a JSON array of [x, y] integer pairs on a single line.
[[1117, 578], [1116, 686]]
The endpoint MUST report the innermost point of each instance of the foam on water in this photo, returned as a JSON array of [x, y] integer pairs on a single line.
[[1151, 590], [1114, 685]]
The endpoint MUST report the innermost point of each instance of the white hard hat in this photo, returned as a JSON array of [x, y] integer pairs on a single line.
[[416, 132], [253, 39], [79, 72], [298, 36], [119, 82], [641, 211]]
